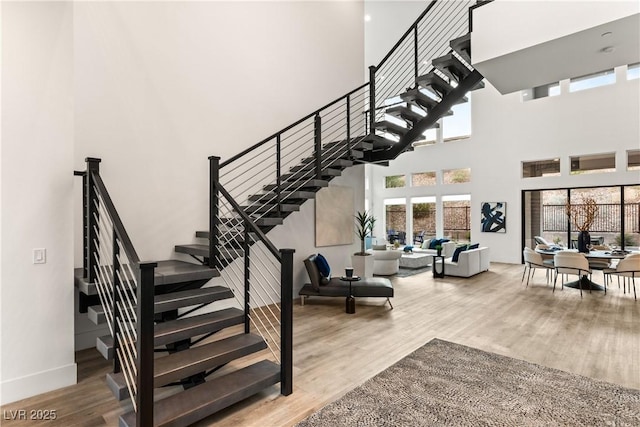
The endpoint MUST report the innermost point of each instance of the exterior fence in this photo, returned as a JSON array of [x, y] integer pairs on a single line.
[[608, 220]]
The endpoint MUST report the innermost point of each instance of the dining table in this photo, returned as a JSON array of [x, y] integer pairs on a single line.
[[602, 255]]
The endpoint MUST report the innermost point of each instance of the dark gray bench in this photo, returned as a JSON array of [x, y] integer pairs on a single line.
[[367, 287]]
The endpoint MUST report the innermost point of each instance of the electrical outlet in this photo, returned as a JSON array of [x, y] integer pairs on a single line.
[[40, 256]]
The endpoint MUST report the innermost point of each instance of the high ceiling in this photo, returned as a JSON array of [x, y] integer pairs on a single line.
[[584, 52]]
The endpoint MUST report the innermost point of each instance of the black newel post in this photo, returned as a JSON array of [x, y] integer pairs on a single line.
[[91, 218], [372, 97], [214, 210], [317, 129], [286, 323], [144, 345], [247, 278]]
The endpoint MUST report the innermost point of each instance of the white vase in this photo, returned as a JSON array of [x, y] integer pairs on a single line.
[[362, 265]]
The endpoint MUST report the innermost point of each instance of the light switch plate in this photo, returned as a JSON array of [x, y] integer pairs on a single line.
[[40, 256]]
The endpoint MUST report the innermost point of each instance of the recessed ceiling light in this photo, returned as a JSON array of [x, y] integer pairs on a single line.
[[607, 49], [607, 34], [367, 18]]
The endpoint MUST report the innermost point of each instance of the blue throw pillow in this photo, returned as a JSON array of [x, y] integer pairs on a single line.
[[323, 266], [456, 254], [433, 243], [474, 246], [444, 241], [408, 248]]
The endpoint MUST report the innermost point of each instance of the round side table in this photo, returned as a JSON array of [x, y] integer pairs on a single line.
[[350, 303]]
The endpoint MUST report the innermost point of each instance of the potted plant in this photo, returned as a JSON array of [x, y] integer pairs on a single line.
[[363, 261], [439, 249], [582, 216]]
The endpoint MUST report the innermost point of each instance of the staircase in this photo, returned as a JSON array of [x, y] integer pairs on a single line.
[[166, 330], [170, 328]]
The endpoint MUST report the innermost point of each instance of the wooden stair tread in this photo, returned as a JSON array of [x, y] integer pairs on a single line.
[[271, 196], [174, 300], [96, 314], [187, 327], [433, 82], [462, 45], [271, 206], [310, 172], [452, 67], [380, 141], [420, 99], [390, 127], [189, 406], [183, 364], [176, 271], [298, 184], [405, 113], [82, 283]]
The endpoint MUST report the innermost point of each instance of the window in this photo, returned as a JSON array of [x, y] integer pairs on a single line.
[[424, 218], [551, 89], [633, 71], [423, 178], [592, 80], [395, 211], [593, 163], [633, 160], [395, 181], [456, 217], [550, 167], [458, 125], [456, 176]]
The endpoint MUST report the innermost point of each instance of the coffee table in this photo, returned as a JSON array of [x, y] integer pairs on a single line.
[[415, 260]]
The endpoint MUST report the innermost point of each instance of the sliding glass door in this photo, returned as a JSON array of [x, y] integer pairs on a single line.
[[617, 214]]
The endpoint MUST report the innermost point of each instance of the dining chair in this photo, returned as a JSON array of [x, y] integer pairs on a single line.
[[532, 261], [628, 268], [571, 263]]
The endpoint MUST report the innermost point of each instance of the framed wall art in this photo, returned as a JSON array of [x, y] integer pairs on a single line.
[[494, 217]]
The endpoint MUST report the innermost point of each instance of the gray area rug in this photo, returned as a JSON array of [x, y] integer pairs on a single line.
[[449, 384], [406, 272]]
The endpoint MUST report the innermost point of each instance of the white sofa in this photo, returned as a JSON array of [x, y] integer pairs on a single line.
[[386, 262], [469, 263], [448, 248]]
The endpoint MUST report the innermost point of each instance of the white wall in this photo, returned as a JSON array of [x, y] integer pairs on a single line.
[[37, 161], [162, 85]]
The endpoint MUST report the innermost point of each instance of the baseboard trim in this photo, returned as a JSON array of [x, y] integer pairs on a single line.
[[38, 383]]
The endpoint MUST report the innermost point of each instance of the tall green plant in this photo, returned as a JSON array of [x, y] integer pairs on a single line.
[[364, 226]]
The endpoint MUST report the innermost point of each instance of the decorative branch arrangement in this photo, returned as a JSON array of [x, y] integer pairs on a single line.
[[582, 215]]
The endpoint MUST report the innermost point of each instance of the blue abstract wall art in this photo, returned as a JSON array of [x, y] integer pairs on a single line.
[[494, 217]]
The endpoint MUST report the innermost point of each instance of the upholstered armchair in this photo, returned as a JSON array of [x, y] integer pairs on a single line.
[[386, 262]]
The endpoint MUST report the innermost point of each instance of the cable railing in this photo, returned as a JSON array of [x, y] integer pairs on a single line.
[[259, 274], [287, 160], [125, 288], [426, 39]]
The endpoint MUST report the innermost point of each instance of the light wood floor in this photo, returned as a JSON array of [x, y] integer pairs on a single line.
[[597, 336]]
